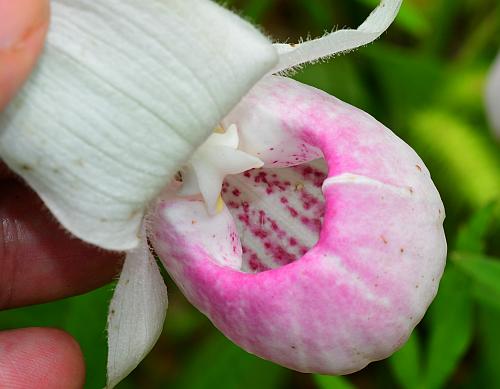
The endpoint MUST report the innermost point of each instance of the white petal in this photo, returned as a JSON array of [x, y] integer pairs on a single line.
[[341, 40], [493, 98], [124, 93], [136, 313]]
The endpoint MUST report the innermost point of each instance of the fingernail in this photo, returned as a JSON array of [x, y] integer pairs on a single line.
[[18, 18]]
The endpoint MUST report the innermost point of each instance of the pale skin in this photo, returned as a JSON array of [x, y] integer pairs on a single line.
[[39, 261]]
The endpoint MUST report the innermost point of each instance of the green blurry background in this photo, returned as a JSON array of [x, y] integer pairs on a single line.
[[424, 79]]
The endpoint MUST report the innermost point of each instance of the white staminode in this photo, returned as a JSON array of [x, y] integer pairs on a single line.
[[216, 158]]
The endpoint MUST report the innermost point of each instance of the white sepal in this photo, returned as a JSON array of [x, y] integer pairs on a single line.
[[122, 96], [136, 313], [341, 40]]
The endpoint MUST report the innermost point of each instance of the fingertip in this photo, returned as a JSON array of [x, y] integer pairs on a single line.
[[40, 358], [35, 251], [23, 26]]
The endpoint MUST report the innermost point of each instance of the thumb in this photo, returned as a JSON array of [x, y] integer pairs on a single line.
[[41, 358], [23, 26]]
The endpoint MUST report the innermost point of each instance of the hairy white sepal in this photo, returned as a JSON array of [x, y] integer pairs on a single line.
[[122, 96], [338, 41], [136, 313]]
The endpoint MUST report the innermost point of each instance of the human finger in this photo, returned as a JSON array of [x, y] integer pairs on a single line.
[[23, 26], [39, 260], [42, 358]]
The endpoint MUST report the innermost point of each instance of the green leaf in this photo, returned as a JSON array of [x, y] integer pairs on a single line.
[[463, 92], [183, 320], [488, 373], [405, 363], [471, 237], [332, 382], [341, 78], [451, 329], [320, 11], [43, 315], [486, 296], [220, 364], [409, 19], [86, 319], [407, 80], [445, 13], [467, 163], [483, 270], [256, 9], [481, 36]]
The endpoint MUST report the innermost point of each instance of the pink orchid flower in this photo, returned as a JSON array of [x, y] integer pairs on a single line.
[[326, 246], [316, 285]]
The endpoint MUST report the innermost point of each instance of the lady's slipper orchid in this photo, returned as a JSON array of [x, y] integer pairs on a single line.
[[493, 97], [123, 99]]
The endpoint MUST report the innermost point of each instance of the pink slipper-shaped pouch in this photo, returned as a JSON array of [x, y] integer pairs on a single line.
[[320, 266]]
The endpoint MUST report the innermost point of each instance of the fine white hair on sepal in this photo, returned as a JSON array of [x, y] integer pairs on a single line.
[[293, 55], [136, 313], [493, 98]]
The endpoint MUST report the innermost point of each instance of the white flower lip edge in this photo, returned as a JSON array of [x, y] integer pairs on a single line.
[[124, 94], [493, 97]]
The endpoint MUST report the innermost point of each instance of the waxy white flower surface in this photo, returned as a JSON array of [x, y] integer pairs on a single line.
[[493, 97], [128, 93]]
